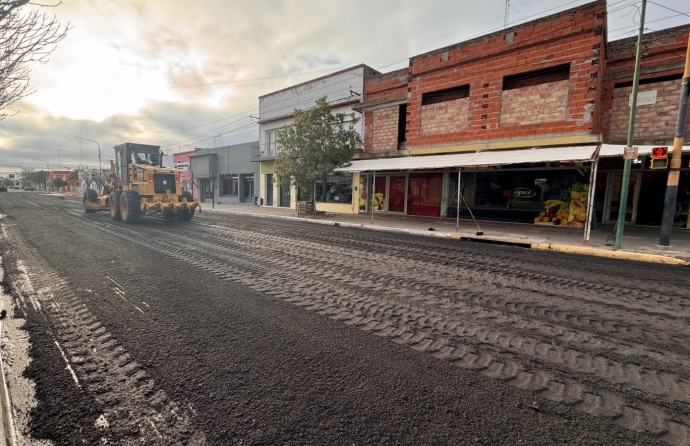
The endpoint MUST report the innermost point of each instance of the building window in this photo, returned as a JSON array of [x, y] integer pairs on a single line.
[[449, 94], [537, 77], [229, 186], [402, 125], [271, 146], [336, 188]]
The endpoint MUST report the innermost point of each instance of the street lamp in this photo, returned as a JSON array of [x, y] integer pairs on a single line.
[[100, 170]]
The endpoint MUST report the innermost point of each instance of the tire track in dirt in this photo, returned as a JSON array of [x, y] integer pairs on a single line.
[[128, 404], [484, 327]]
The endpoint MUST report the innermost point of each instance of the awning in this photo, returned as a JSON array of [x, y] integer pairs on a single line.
[[475, 159], [616, 150]]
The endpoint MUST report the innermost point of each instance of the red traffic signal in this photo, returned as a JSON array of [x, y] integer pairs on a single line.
[[659, 152]]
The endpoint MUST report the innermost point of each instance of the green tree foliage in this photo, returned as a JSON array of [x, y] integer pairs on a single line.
[[38, 178], [59, 182], [314, 144]]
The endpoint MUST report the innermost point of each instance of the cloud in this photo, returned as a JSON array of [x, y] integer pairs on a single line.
[[187, 74]]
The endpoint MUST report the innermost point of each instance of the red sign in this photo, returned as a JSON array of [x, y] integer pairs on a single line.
[[659, 152]]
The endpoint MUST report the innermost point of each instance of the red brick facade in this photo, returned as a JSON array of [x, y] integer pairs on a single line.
[[590, 99], [388, 89], [661, 69], [384, 122], [445, 117], [536, 104], [574, 37]]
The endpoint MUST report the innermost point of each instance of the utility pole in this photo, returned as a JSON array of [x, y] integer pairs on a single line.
[[100, 169], [674, 171], [506, 15], [625, 181]]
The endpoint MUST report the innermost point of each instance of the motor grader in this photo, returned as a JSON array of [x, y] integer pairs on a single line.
[[140, 185]]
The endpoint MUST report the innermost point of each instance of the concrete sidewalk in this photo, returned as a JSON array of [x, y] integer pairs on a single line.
[[639, 242]]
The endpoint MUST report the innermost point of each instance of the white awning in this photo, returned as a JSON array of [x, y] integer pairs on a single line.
[[616, 150], [475, 159]]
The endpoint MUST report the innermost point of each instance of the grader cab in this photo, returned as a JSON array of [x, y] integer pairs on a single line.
[[140, 185]]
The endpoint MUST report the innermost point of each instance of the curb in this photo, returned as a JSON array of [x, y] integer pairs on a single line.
[[624, 255], [544, 246]]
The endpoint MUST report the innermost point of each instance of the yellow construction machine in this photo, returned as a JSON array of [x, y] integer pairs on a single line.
[[140, 185]]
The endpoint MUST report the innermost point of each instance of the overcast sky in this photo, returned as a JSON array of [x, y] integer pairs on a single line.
[[183, 74]]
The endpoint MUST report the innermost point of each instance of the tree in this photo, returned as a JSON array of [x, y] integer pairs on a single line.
[[59, 182], [28, 35], [39, 178], [313, 145]]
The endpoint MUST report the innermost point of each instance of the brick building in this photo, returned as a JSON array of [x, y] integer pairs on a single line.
[[516, 118], [661, 71]]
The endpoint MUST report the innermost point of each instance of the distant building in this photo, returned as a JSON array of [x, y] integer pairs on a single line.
[[181, 162], [225, 175]]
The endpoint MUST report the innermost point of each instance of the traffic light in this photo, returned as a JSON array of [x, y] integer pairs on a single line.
[[659, 158]]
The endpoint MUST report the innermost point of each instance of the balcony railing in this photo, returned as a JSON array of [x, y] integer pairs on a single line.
[[263, 153]]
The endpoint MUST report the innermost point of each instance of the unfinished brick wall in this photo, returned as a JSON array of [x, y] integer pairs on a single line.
[[385, 129], [445, 117], [381, 123], [534, 105], [574, 37], [654, 123], [663, 57]]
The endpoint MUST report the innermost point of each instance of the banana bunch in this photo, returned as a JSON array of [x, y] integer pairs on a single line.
[[548, 204]]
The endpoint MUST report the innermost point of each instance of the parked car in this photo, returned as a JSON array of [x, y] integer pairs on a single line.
[[29, 188], [3, 188]]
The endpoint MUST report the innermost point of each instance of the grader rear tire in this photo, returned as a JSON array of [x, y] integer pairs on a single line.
[[115, 205], [130, 207], [91, 196]]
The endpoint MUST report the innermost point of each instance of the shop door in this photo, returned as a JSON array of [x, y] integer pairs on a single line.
[[396, 193], [247, 188], [379, 198], [269, 190], [613, 193], [284, 197], [206, 191]]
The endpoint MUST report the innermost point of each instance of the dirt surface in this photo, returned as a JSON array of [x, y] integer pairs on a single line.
[[231, 329]]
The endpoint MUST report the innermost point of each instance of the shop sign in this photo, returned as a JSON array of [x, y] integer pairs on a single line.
[[524, 192], [644, 98], [182, 167], [630, 153]]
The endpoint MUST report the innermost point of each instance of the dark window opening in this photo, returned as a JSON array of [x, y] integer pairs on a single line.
[[537, 77], [449, 94], [402, 123], [651, 80]]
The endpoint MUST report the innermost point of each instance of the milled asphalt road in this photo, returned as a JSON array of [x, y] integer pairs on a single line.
[[234, 329]]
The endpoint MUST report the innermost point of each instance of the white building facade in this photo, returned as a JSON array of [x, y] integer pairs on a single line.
[[343, 90]]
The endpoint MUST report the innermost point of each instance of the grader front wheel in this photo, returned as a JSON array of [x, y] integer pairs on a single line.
[[130, 207]]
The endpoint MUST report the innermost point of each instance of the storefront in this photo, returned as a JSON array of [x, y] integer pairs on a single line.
[[544, 186], [646, 188], [561, 186]]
